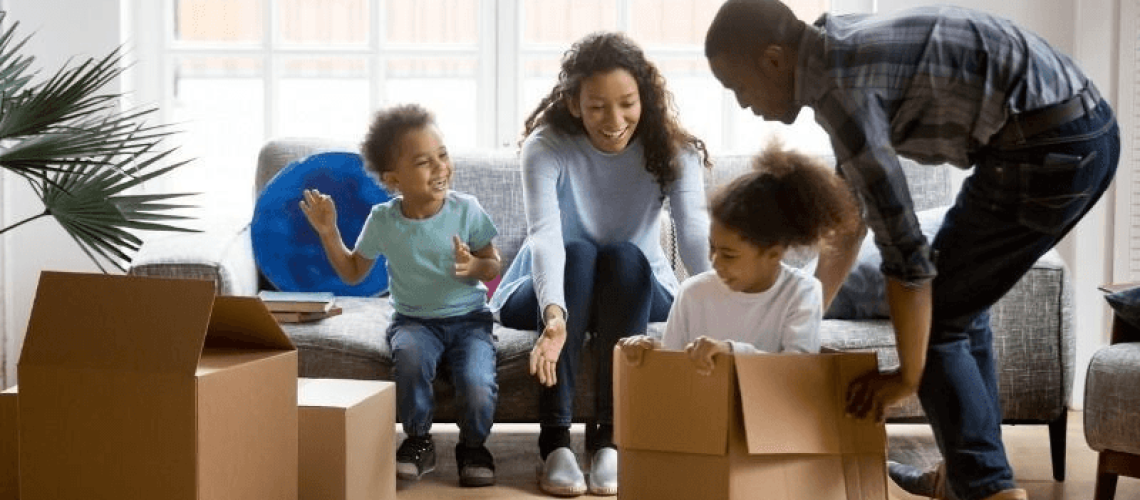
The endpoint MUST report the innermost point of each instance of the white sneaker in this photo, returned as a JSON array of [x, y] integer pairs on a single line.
[[603, 472], [560, 475]]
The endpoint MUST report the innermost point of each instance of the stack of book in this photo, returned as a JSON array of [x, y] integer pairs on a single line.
[[299, 307]]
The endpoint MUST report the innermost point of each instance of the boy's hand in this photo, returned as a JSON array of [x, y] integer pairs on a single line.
[[634, 348], [319, 209], [702, 351], [464, 261]]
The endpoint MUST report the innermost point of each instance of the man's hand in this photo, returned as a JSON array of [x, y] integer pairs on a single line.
[[544, 355], [702, 350], [319, 209], [870, 395], [634, 347]]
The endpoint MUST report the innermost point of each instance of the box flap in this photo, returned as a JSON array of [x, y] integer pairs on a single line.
[[244, 322], [675, 409], [794, 403], [129, 323]]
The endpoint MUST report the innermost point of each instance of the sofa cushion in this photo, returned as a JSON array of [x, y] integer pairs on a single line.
[[863, 293], [288, 251], [1126, 305]]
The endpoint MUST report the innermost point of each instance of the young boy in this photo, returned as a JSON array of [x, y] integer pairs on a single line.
[[439, 252]]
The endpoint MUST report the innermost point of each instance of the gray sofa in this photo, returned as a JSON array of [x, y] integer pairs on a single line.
[[1032, 323]]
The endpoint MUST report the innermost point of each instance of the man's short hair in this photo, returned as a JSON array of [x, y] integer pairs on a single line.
[[746, 27]]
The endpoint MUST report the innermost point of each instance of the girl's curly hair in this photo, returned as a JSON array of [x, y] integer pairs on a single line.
[[789, 199], [661, 134]]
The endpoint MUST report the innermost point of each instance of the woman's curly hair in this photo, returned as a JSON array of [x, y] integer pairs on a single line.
[[662, 136], [789, 199]]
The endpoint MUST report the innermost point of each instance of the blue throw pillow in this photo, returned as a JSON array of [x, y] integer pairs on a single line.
[[288, 250], [863, 295], [1126, 304]]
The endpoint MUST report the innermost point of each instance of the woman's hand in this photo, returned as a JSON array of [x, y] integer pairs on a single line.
[[634, 347], [319, 209], [702, 351], [871, 394], [544, 356]]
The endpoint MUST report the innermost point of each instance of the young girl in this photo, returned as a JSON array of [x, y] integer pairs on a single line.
[[751, 301], [439, 252]]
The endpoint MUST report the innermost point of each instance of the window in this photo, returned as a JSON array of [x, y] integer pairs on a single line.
[[234, 73]]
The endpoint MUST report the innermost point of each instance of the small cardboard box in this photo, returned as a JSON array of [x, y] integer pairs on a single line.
[[761, 426], [347, 439], [9, 446], [145, 388]]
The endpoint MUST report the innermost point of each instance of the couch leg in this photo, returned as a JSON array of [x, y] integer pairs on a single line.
[[1058, 430], [1105, 478]]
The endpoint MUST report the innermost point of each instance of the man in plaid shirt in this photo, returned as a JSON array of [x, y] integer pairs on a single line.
[[936, 85]]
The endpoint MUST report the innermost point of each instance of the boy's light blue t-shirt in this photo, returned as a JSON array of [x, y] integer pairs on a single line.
[[421, 256]]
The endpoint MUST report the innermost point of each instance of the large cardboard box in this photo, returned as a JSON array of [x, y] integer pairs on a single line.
[[146, 388], [347, 439], [761, 426], [9, 446]]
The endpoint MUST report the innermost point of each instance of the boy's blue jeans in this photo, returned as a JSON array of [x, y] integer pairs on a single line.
[[609, 290], [1016, 205], [465, 342]]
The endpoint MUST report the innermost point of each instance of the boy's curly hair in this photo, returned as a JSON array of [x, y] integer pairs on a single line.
[[661, 133], [789, 199], [381, 145]]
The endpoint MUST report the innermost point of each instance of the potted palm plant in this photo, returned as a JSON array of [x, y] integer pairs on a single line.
[[82, 156]]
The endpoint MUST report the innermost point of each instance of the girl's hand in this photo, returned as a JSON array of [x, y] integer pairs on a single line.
[[319, 209], [544, 356], [702, 351], [634, 347], [464, 261]]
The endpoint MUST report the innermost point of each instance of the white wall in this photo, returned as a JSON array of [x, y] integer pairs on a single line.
[[60, 30], [1086, 29]]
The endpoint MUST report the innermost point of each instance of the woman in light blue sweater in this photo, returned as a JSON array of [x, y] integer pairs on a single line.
[[602, 153]]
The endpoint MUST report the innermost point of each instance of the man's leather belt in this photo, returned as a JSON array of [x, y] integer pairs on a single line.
[[1030, 123]]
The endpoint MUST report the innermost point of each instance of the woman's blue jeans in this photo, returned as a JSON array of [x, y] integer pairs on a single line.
[[610, 291], [1018, 203], [465, 342]]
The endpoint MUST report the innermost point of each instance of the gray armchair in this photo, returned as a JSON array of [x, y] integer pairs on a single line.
[[1112, 408]]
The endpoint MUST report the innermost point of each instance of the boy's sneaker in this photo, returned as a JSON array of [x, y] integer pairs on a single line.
[[476, 465], [415, 457]]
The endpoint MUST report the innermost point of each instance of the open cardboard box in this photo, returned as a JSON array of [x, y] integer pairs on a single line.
[[147, 388], [760, 426]]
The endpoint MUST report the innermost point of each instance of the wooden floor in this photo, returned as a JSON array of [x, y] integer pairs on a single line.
[[515, 450]]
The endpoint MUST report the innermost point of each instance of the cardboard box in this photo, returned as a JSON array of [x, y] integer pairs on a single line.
[[347, 439], [9, 446], [761, 426], [145, 388]]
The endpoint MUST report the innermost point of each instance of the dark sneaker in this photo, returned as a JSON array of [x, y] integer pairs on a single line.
[[476, 465], [415, 457], [925, 483]]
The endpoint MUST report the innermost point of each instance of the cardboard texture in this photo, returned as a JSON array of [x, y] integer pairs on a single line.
[[9, 446], [761, 426], [144, 388], [347, 439]]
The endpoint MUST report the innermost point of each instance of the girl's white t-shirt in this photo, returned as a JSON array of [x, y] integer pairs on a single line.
[[784, 318]]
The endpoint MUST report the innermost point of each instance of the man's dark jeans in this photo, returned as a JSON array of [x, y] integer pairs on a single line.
[[1018, 203]]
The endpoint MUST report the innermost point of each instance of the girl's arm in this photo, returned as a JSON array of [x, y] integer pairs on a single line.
[[320, 210], [801, 328]]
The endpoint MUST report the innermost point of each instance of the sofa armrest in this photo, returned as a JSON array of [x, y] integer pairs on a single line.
[[223, 255]]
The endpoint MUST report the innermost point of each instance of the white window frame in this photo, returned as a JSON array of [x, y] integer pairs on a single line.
[[500, 24]]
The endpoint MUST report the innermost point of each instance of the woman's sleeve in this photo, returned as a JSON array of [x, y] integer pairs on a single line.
[[805, 316], [540, 172], [689, 210]]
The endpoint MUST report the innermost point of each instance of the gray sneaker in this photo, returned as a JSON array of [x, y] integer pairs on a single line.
[[559, 475], [603, 472]]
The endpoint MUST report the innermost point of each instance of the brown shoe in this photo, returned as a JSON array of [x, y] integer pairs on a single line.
[[1014, 494]]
